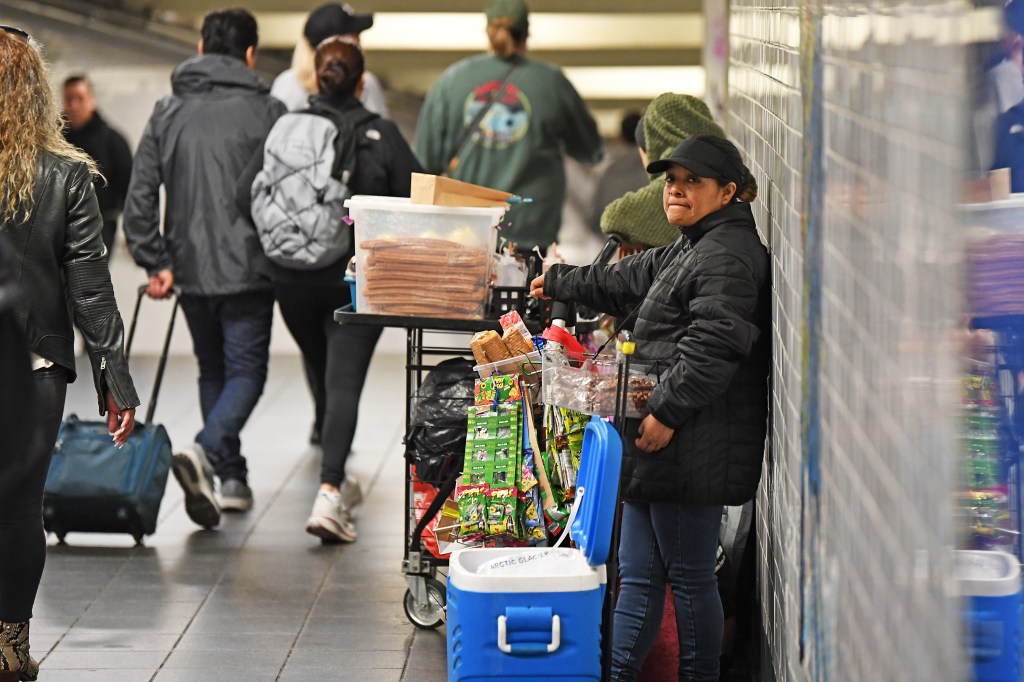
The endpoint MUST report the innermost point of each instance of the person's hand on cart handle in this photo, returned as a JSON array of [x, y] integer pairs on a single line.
[[654, 435], [537, 287]]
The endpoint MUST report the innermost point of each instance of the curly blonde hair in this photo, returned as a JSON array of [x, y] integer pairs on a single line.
[[30, 121]]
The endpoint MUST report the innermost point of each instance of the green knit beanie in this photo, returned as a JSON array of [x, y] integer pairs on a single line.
[[668, 120]]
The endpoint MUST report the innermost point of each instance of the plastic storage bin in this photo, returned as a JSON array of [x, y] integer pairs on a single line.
[[422, 260], [989, 581], [528, 366], [540, 627], [589, 385]]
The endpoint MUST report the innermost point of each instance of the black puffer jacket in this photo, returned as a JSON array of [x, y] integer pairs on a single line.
[[704, 315], [196, 144], [59, 260]]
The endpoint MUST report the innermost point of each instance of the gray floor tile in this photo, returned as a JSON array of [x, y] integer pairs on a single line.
[[103, 660], [86, 675], [348, 660], [247, 674], [81, 639], [264, 659], [354, 641], [343, 674], [195, 641]]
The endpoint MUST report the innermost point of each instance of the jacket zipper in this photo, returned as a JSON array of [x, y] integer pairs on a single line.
[[111, 382]]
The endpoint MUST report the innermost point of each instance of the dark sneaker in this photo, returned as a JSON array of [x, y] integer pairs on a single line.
[[330, 520], [235, 496], [195, 475]]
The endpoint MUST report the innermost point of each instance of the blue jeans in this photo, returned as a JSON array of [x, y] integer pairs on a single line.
[[231, 339], [673, 543]]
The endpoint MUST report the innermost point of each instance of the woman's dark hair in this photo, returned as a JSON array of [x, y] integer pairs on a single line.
[[339, 66], [229, 31], [746, 189]]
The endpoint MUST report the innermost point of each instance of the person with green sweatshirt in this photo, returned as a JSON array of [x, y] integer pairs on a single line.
[[668, 120], [531, 115]]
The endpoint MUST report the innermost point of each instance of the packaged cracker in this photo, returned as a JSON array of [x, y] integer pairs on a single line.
[[517, 336]]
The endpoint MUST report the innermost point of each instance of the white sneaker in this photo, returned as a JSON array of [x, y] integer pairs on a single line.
[[330, 520], [351, 492]]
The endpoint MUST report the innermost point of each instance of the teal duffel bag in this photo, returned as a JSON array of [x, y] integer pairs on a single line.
[[94, 487]]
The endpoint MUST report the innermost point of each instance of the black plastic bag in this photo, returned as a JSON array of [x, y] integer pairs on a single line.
[[436, 441]]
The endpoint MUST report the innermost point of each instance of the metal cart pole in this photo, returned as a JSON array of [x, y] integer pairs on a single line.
[[625, 346]]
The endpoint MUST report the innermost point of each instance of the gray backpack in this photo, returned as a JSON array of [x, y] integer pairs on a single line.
[[298, 196]]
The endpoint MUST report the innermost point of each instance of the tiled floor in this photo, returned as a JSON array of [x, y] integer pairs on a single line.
[[258, 598]]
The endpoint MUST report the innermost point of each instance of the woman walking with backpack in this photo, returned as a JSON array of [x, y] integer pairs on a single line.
[[337, 356]]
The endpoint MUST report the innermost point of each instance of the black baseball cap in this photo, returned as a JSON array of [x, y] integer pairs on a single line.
[[334, 19], [700, 158]]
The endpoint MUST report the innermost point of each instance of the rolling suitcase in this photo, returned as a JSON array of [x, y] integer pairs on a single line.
[[92, 486]]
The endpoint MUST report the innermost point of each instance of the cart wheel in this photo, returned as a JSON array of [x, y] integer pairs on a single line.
[[430, 615]]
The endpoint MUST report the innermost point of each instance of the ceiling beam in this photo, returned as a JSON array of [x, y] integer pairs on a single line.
[[193, 7], [593, 83], [391, 59], [446, 31]]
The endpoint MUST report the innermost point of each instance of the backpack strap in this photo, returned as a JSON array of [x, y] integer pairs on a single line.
[[348, 121]]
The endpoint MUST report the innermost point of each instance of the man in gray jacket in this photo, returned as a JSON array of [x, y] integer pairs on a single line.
[[196, 144]]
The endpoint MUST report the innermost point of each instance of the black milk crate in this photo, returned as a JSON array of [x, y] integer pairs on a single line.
[[506, 299]]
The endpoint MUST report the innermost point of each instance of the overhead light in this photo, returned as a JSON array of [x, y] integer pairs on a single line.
[[636, 82], [464, 31]]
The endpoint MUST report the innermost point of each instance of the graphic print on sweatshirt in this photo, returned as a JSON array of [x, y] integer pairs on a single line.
[[507, 120]]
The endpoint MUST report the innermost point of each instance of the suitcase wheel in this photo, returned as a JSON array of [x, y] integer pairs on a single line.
[[60, 536], [138, 539]]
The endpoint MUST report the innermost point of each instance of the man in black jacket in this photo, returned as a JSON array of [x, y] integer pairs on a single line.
[[196, 144], [88, 131]]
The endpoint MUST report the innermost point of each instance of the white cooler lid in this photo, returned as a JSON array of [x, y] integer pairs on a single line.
[[463, 565], [981, 573]]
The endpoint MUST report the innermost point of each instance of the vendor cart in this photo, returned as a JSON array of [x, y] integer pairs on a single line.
[[425, 598]]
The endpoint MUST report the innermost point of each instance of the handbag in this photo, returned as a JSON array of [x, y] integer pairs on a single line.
[[453, 163]]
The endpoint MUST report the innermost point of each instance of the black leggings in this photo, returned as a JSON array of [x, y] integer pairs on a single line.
[[24, 462], [337, 358]]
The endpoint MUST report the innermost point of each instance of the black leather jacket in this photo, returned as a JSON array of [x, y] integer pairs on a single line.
[[61, 263]]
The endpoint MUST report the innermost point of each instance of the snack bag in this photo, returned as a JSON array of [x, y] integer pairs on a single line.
[[499, 388], [517, 337]]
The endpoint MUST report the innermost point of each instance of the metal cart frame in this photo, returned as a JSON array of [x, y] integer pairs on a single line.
[[426, 597]]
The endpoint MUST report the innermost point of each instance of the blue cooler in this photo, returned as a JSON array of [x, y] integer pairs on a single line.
[[990, 584], [540, 627]]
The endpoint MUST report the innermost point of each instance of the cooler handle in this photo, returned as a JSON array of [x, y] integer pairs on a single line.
[[529, 620]]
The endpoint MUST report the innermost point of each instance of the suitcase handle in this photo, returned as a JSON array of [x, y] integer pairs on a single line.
[[524, 622], [162, 364]]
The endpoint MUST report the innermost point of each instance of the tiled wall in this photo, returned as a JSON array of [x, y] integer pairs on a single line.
[[854, 566]]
